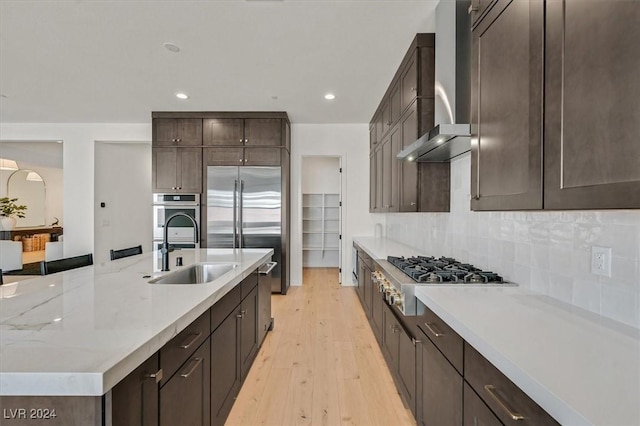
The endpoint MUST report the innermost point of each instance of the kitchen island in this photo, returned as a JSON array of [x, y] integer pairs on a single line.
[[579, 367], [80, 332]]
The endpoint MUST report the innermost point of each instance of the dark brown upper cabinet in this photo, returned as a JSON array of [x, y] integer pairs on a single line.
[[592, 112], [506, 107], [243, 132], [405, 113], [177, 132], [177, 169]]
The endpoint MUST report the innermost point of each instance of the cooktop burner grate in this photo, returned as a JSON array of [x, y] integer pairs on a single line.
[[423, 269]]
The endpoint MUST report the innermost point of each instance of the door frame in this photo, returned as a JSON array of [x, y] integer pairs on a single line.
[[341, 193]]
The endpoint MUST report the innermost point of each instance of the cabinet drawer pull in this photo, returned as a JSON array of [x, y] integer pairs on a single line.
[[196, 362], [194, 337], [157, 376], [473, 8], [413, 203], [433, 329], [241, 314], [514, 416]]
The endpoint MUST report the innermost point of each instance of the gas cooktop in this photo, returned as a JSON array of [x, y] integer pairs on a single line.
[[445, 270]]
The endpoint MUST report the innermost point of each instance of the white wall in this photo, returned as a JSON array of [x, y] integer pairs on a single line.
[[78, 173], [123, 183], [351, 142], [547, 252]]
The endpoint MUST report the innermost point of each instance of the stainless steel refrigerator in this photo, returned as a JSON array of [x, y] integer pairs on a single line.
[[244, 209]]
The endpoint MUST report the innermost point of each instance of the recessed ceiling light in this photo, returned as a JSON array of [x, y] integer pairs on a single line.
[[182, 96], [171, 47], [329, 96]]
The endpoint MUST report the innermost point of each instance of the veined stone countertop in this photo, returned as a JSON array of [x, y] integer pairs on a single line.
[[578, 366], [79, 332]]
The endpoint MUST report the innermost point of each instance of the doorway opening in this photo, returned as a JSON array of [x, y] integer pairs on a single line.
[[322, 213]]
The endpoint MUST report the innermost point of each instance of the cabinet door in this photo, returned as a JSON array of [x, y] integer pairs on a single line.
[[379, 122], [441, 385], [262, 156], [394, 168], [387, 178], [379, 158], [395, 104], [385, 116], [222, 157], [372, 135], [248, 331], [164, 165], [506, 107], [185, 398], [592, 155], [368, 287], [476, 413], [223, 131], [377, 309], [372, 183], [177, 131], [390, 339], [263, 132], [408, 192], [135, 399], [189, 171], [407, 368], [361, 281], [409, 82], [225, 369]]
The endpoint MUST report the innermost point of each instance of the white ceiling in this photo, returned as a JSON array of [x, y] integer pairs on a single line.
[[104, 61]]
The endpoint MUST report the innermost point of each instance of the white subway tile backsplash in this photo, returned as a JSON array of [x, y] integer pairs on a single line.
[[548, 252]]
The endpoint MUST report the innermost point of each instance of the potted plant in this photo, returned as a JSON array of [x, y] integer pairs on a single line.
[[9, 211]]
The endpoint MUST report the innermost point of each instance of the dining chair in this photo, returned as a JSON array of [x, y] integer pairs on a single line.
[[131, 251], [65, 264]]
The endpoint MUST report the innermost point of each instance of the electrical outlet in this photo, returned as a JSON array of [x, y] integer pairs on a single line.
[[601, 261]]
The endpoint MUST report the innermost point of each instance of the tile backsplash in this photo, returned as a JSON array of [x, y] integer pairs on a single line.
[[547, 252]]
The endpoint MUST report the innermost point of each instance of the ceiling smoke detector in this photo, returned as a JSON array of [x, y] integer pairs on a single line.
[[171, 47]]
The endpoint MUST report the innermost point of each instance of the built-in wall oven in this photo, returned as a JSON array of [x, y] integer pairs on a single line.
[[180, 232]]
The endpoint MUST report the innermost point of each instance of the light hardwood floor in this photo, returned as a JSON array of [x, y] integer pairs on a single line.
[[321, 365]]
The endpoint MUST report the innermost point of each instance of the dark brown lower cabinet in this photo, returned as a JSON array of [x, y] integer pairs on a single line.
[[225, 369], [185, 397], [390, 339], [264, 309], [136, 396], [377, 310], [476, 412], [367, 288], [248, 331], [441, 388]]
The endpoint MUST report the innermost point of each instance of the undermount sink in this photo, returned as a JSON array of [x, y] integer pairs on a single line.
[[199, 273]]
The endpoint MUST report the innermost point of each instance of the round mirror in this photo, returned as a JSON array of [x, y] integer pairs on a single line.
[[28, 187]]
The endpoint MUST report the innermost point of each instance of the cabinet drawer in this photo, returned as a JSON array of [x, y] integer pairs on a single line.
[[248, 284], [502, 396], [178, 349], [225, 306], [443, 336]]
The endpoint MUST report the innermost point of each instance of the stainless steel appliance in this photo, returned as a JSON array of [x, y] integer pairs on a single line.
[[397, 278], [244, 209], [180, 233]]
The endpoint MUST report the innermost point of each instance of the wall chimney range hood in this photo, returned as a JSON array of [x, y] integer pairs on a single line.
[[440, 144], [453, 59]]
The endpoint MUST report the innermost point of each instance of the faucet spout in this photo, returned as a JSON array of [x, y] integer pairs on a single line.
[[164, 249]]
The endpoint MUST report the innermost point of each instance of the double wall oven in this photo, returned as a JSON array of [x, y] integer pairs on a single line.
[[181, 230]]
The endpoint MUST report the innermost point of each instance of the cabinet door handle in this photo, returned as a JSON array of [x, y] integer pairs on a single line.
[[514, 416], [241, 140], [246, 141], [475, 197], [473, 8], [194, 337], [196, 362], [241, 314], [433, 329], [157, 375], [240, 160], [413, 203]]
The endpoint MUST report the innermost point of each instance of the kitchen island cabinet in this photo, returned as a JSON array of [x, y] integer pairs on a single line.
[[91, 371]]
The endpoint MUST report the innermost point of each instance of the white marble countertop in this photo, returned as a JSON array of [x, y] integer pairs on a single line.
[[579, 367], [81, 331]]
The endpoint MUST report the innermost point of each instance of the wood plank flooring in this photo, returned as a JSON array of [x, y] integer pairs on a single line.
[[321, 365]]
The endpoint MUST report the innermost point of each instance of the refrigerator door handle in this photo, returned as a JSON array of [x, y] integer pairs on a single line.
[[235, 213], [241, 225]]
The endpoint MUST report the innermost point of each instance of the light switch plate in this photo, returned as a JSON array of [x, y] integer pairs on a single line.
[[601, 261]]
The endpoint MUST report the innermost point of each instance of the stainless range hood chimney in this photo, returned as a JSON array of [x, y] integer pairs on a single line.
[[452, 136]]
